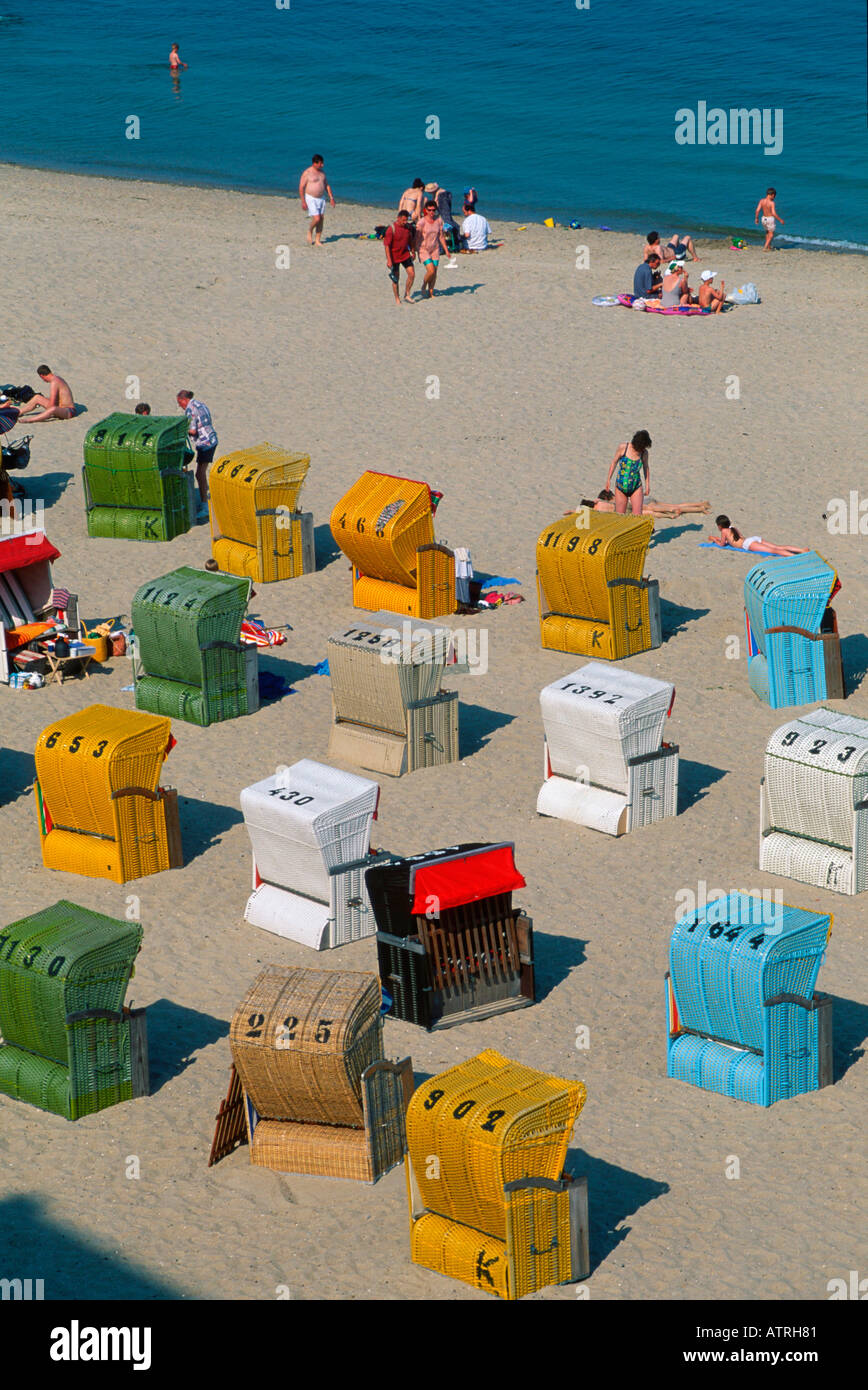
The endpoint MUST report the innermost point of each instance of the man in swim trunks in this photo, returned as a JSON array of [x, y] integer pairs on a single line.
[[312, 190], [398, 242], [709, 297], [430, 240], [57, 405], [766, 206], [730, 535], [175, 58], [680, 247]]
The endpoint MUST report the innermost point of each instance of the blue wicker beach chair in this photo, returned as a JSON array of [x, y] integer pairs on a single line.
[[743, 1016], [794, 651]]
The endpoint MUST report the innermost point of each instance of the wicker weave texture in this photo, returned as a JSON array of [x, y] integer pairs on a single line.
[[584, 609], [598, 717], [294, 553], [133, 480], [254, 504], [786, 592], [381, 523], [61, 962], [460, 1252], [488, 1121], [301, 1040], [98, 774], [323, 1151]]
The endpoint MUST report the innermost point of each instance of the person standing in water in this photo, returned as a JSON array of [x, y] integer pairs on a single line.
[[175, 58], [313, 187], [633, 477]]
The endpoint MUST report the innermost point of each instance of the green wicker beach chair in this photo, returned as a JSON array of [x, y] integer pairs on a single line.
[[135, 485], [67, 1044], [194, 665]]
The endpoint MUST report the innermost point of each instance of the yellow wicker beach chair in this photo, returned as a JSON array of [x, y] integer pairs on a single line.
[[592, 596], [257, 529], [318, 1096], [385, 527], [101, 810], [490, 1203]]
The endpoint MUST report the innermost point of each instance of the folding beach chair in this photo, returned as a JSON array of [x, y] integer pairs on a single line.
[[310, 831], [794, 651], [450, 944], [385, 527], [490, 1202], [67, 1042], [605, 763], [743, 1018], [592, 596], [814, 802], [257, 529], [319, 1097]]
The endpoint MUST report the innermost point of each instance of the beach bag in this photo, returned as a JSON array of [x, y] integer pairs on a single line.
[[747, 294], [16, 454]]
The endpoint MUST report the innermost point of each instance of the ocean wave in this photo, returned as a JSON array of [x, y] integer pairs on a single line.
[[824, 243]]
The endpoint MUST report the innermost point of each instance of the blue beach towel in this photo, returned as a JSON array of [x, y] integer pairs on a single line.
[[497, 581], [322, 668], [708, 545]]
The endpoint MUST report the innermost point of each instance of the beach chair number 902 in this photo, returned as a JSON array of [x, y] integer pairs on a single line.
[[290, 796], [464, 1108]]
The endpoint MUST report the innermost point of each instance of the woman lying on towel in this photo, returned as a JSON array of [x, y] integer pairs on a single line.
[[605, 502], [730, 535]]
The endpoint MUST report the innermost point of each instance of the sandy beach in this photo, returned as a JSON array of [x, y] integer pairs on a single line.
[[537, 387]]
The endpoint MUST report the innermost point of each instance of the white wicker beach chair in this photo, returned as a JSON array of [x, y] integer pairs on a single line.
[[390, 714], [606, 765], [814, 802], [310, 830]]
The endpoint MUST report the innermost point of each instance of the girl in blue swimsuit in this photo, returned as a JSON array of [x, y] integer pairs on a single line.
[[631, 462]]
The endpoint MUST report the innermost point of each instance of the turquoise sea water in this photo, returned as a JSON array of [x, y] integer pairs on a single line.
[[547, 109]]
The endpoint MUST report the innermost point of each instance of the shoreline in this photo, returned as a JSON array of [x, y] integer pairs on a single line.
[[719, 235]]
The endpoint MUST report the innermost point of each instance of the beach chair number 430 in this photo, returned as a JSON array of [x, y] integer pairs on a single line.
[[283, 795]]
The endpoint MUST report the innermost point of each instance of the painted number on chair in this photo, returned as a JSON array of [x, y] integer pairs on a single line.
[[290, 796]]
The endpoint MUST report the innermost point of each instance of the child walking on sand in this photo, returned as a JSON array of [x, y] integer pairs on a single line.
[[766, 206]]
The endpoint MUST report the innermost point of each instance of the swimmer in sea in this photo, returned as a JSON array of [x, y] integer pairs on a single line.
[[175, 58]]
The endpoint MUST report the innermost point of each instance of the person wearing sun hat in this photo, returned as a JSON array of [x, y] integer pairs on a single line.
[[709, 297], [676, 290]]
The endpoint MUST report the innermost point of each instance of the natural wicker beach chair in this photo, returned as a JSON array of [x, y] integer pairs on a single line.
[[450, 944], [385, 527], [390, 714], [135, 484], [67, 1043], [100, 806], [814, 802], [29, 603], [310, 831], [592, 597], [490, 1203], [257, 529], [606, 765], [318, 1096], [794, 651], [743, 1018], [195, 666]]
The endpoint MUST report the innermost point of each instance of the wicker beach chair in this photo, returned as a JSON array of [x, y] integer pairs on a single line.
[[257, 529], [67, 1043], [592, 597], [385, 527], [100, 807], [490, 1203], [319, 1098], [310, 831], [135, 484], [605, 763], [389, 712], [29, 602], [814, 802], [743, 1018], [793, 647], [450, 944], [194, 665]]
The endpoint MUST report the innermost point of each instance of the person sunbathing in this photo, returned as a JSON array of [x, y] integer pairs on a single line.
[[605, 502], [57, 405], [730, 535]]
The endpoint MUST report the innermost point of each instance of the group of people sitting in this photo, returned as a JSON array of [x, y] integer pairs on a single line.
[[663, 275]]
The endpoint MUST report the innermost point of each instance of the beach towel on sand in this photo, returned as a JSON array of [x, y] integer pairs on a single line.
[[709, 545], [682, 310]]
